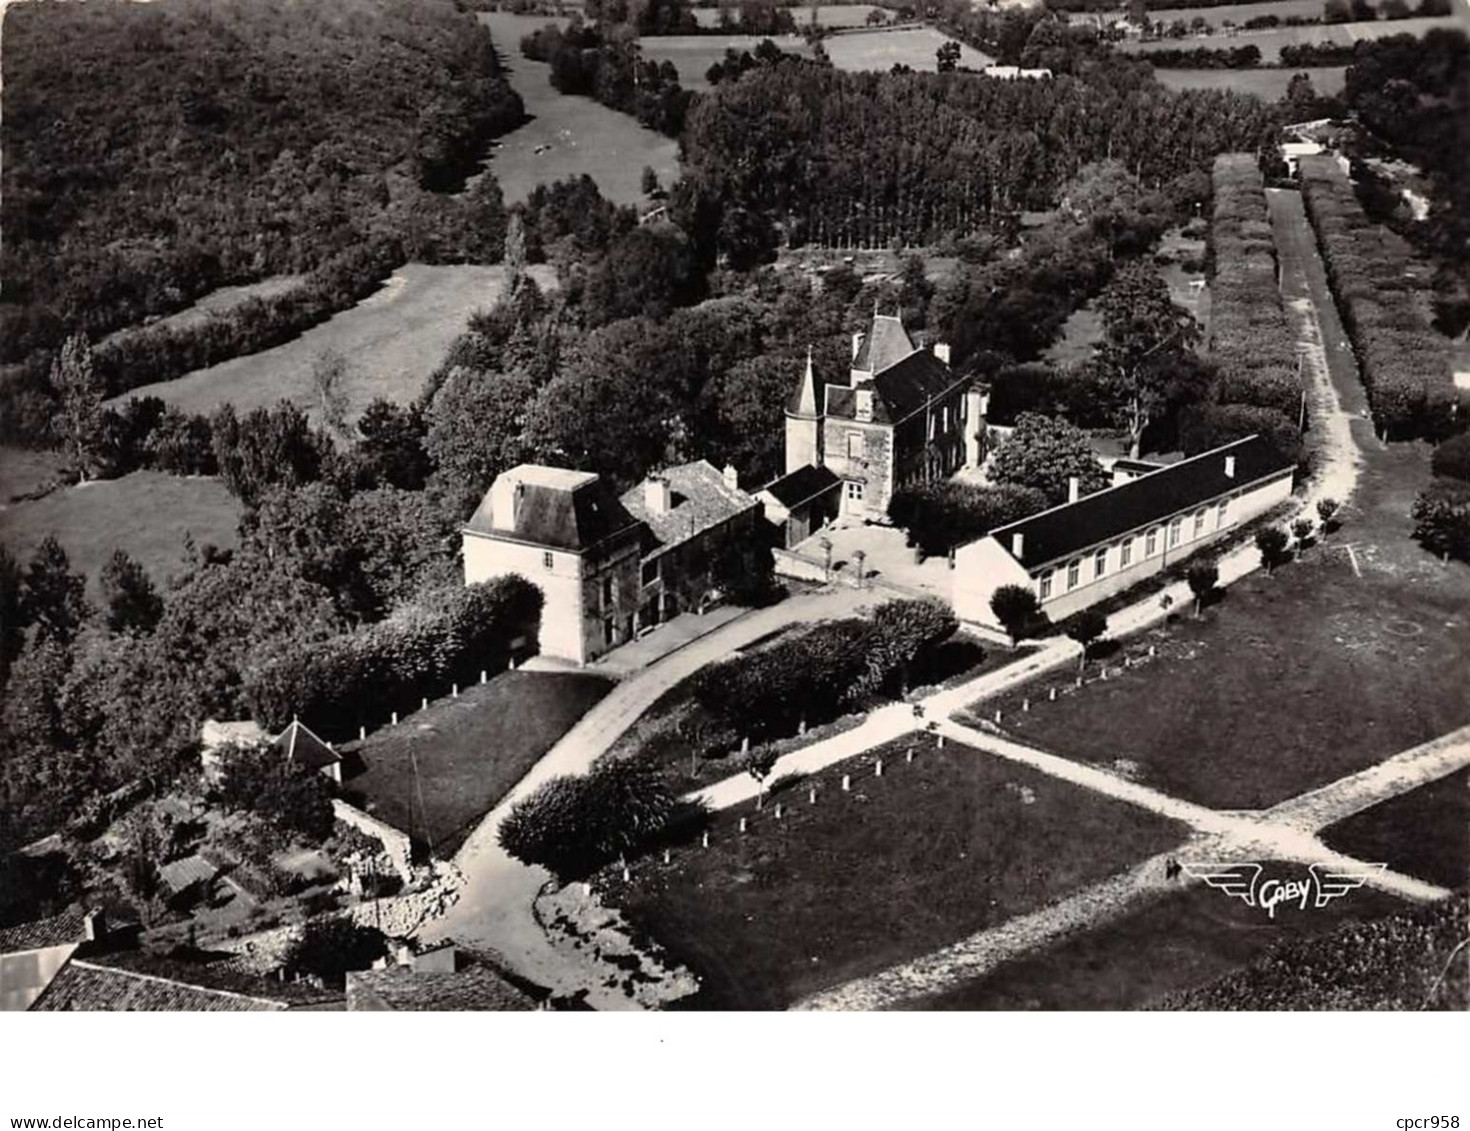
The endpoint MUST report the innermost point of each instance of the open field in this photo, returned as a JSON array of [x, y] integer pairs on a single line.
[[876, 50], [1272, 40], [828, 15], [1082, 330], [23, 471], [218, 302], [437, 772], [1182, 941], [146, 513], [392, 340], [904, 863], [1425, 832], [1239, 13], [1269, 83], [567, 135]]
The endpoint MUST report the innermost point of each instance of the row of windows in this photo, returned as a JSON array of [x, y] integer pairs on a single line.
[[1098, 567]]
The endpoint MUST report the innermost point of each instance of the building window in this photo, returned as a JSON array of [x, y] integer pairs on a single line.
[[607, 592], [1222, 517], [1100, 563], [855, 445], [1125, 553], [1074, 572], [650, 571], [1199, 524], [547, 560], [1151, 543], [1174, 529], [854, 491], [1046, 585]]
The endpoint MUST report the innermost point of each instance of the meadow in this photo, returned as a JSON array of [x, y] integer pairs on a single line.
[[1239, 13], [567, 136], [392, 340], [828, 15], [1271, 41], [1269, 83]]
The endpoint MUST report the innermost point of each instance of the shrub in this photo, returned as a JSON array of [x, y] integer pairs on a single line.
[[1016, 607], [329, 948], [574, 825], [347, 681], [1087, 627], [1044, 453], [1452, 458], [940, 516], [1271, 541], [1441, 517], [1202, 575], [1203, 428]]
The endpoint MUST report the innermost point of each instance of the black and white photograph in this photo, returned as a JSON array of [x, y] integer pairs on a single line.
[[710, 509]]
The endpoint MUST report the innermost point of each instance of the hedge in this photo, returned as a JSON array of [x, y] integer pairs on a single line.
[[1251, 337], [940, 516], [357, 679], [1385, 294]]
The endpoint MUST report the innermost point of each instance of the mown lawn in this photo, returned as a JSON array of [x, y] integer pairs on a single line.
[[1425, 832], [1269, 83], [440, 770], [23, 470], [903, 864], [1182, 941], [146, 513]]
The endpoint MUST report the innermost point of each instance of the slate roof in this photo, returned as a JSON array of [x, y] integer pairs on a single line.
[[701, 500], [180, 875], [299, 744], [808, 397], [88, 986], [802, 485], [1115, 511], [564, 510], [59, 930], [401, 988], [905, 387], [886, 343]]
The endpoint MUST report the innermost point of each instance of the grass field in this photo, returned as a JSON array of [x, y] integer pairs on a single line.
[[903, 864], [1082, 330], [146, 513], [1267, 83], [392, 340], [1182, 941], [1272, 40], [568, 136], [218, 302], [468, 751], [828, 15], [1239, 13], [693, 55], [1425, 832], [23, 471]]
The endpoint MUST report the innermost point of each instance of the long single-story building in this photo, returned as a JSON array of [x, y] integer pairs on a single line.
[[1082, 552]]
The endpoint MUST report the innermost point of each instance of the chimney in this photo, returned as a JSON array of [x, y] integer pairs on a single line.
[[1018, 543], [1229, 467], [656, 495], [941, 351], [1074, 489], [864, 409], [732, 477], [505, 502], [94, 926], [857, 344]]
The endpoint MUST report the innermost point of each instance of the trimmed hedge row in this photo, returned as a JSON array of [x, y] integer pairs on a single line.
[[356, 679], [1250, 335], [1385, 295]]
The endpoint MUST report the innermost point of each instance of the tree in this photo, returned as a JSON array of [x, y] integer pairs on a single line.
[[329, 373], [55, 598], [1336, 12], [1441, 515], [1086, 628], [758, 762], [329, 948], [947, 56], [1202, 575], [1451, 459], [1271, 541], [1142, 355], [1015, 606], [1301, 102], [574, 825], [1045, 453], [391, 450], [474, 432], [649, 182], [515, 253], [79, 390], [267, 447], [12, 613], [1301, 530], [133, 604], [1327, 514], [259, 779]]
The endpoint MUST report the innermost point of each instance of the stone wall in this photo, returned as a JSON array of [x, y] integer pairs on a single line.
[[395, 843]]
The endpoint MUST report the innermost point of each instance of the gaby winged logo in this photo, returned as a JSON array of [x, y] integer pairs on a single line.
[[1321, 886]]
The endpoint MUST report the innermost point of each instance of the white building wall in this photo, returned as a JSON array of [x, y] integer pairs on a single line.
[[561, 585], [981, 568]]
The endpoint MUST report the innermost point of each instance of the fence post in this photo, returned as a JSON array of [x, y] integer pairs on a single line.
[[361, 733], [704, 839], [742, 824], [454, 690], [846, 783], [395, 718], [1025, 706], [482, 675], [878, 768], [811, 796]]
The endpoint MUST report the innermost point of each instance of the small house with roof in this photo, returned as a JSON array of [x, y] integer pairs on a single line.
[[900, 415], [1077, 554], [610, 566]]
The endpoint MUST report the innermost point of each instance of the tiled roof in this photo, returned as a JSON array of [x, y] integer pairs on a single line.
[[69, 927], [180, 875], [401, 988], [1115, 511], [701, 500], [906, 386], [299, 744], [801, 485], [886, 343], [88, 986], [565, 510]]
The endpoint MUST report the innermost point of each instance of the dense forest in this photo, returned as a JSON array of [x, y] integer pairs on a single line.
[[844, 159], [153, 152]]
